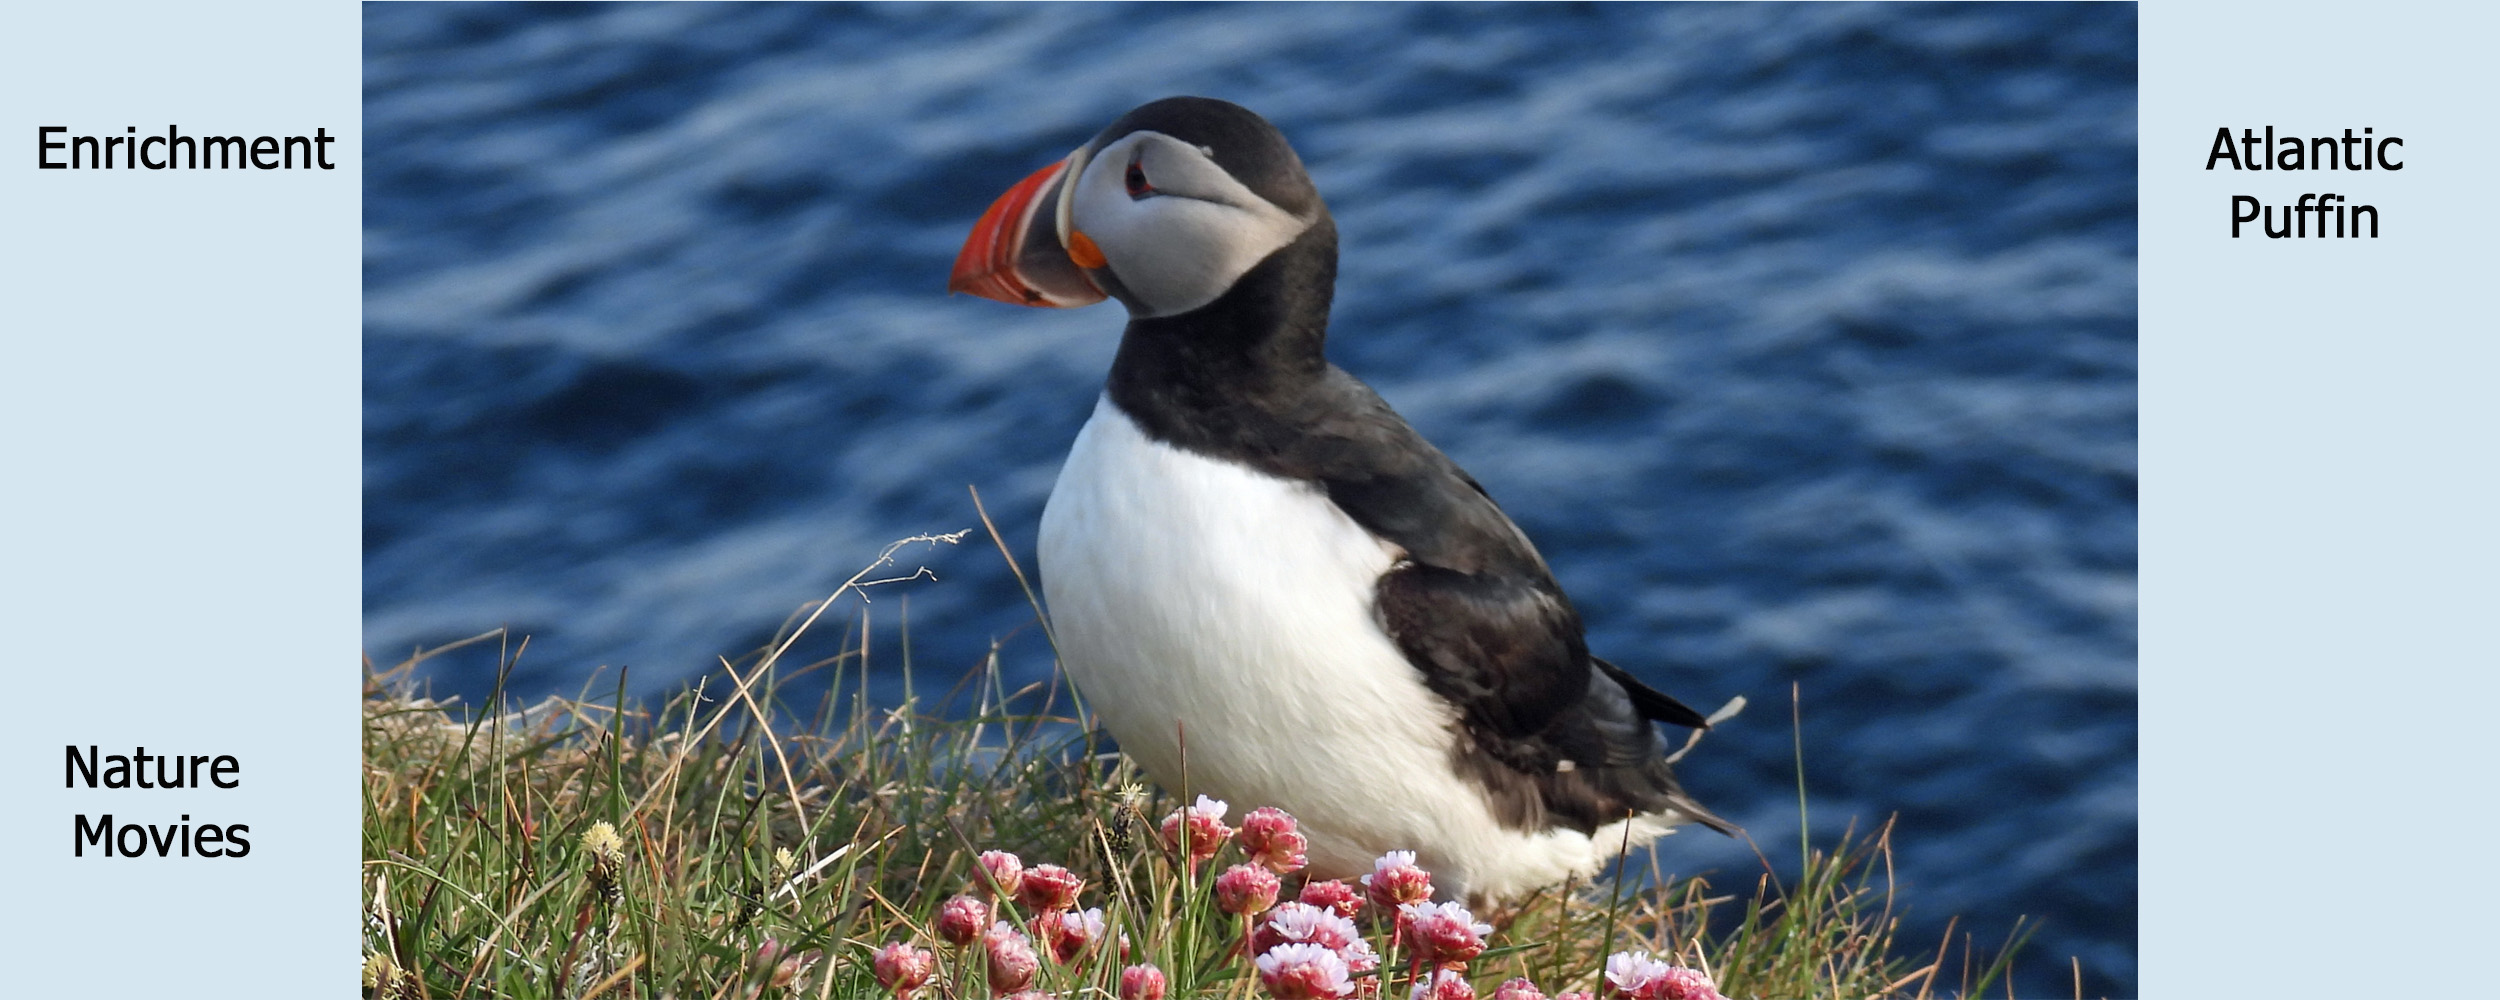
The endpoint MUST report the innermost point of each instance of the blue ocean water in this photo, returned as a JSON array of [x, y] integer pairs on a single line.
[[1801, 339]]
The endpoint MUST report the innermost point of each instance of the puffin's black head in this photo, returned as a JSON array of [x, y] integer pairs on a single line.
[[1240, 142], [1165, 209]]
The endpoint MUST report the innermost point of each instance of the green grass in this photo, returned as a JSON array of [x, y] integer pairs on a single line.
[[838, 834]]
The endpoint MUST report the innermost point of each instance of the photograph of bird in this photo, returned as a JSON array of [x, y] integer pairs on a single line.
[[1268, 587]]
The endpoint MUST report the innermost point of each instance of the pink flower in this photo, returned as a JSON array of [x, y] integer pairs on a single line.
[[903, 968], [1069, 933], [1443, 933], [1447, 984], [1012, 963], [1204, 825], [1246, 889], [1049, 887], [1271, 930], [1303, 972], [1003, 872], [1395, 881], [1142, 982], [1518, 989], [1633, 975], [1683, 984], [1273, 840], [1334, 895], [1575, 995], [1302, 923], [961, 919]]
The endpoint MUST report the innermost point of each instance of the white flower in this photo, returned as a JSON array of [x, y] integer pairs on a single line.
[[1302, 923], [1628, 971], [1451, 912], [1076, 930], [1304, 972], [1358, 953]]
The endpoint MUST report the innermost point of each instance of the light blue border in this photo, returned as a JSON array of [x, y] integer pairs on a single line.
[[178, 538], [179, 535], [2321, 485]]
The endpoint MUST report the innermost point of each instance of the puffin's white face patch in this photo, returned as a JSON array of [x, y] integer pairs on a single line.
[[1189, 236]]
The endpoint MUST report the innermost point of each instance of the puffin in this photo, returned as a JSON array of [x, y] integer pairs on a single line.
[[1267, 586]]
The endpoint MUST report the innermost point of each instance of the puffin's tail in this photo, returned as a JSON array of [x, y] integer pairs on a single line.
[[1651, 702], [1691, 810]]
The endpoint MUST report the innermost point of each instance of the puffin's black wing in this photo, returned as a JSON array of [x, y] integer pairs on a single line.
[[1559, 736]]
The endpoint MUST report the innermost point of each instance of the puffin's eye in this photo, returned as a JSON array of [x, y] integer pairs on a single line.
[[1136, 178]]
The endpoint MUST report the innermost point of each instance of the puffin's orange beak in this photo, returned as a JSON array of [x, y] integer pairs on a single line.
[[1016, 252]]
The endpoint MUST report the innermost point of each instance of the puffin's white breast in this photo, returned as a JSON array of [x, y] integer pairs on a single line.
[[1202, 601]]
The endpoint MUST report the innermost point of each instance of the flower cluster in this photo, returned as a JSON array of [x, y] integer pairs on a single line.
[[1305, 948], [1009, 958], [1312, 948], [1633, 975], [1197, 832], [1302, 923], [1446, 984], [1049, 889], [1068, 933], [1142, 982], [902, 968], [1395, 881], [961, 920], [1246, 889], [606, 853], [1002, 873], [1443, 934], [1333, 895], [1273, 840], [1304, 972], [1519, 989], [385, 980]]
